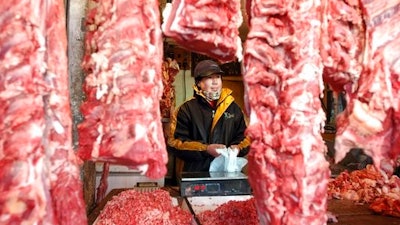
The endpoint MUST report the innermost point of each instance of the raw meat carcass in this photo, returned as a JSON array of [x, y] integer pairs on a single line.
[[208, 27], [65, 172], [342, 43], [123, 86], [370, 118], [37, 162], [133, 207], [283, 82]]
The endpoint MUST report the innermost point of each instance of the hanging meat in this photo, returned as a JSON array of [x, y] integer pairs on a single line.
[[283, 81], [342, 43], [207, 27], [370, 119], [64, 169], [123, 86], [37, 162]]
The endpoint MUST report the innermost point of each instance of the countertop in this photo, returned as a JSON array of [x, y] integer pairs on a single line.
[[347, 212]]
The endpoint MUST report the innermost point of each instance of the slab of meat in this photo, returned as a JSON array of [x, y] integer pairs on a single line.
[[36, 158], [208, 27], [123, 58], [342, 43], [133, 207], [370, 118], [24, 184], [65, 172], [283, 81]]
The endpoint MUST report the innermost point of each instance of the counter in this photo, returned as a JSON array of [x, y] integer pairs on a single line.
[[347, 212]]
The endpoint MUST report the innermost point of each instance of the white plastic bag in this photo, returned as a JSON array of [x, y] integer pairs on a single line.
[[227, 161]]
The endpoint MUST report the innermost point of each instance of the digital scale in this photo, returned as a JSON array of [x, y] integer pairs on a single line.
[[214, 184]]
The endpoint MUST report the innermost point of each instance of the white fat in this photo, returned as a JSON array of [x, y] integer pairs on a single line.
[[35, 131], [175, 23], [239, 50], [306, 145], [117, 71], [102, 89], [166, 14], [143, 168], [96, 144], [100, 60], [362, 119], [58, 127], [301, 102], [140, 131]]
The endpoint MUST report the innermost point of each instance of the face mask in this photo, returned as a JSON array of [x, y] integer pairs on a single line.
[[212, 95], [211, 87]]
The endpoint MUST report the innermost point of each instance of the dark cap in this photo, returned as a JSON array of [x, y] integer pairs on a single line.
[[206, 68]]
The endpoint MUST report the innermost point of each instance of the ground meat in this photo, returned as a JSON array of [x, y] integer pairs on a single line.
[[132, 207], [232, 213]]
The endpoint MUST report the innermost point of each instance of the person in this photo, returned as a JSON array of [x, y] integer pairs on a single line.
[[210, 120]]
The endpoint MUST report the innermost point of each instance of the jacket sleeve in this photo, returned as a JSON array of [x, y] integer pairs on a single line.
[[240, 138], [180, 141]]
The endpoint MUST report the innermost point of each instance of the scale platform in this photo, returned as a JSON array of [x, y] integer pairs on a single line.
[[214, 184]]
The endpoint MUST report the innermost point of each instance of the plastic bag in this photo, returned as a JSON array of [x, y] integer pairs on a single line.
[[227, 161]]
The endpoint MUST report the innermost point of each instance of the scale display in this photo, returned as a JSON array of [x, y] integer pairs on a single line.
[[214, 184]]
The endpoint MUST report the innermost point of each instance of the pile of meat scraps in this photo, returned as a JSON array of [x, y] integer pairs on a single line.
[[133, 207], [368, 186], [231, 212]]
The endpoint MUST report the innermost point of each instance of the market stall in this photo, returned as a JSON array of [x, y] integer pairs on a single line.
[[88, 89]]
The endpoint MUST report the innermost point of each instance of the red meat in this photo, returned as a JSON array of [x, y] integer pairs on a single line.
[[143, 208], [207, 27], [370, 118], [283, 79], [123, 86], [37, 162]]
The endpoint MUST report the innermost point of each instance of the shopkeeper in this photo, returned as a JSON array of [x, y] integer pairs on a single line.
[[211, 119]]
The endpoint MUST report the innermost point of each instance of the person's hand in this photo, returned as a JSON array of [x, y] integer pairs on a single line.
[[212, 149]]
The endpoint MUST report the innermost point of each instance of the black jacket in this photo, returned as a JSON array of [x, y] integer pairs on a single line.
[[197, 124]]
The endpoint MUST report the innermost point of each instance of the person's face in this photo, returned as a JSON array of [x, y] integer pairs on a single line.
[[211, 83]]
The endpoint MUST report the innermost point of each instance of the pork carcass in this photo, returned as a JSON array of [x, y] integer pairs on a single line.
[[369, 120], [64, 163], [37, 162], [123, 86], [208, 27], [283, 82], [342, 43]]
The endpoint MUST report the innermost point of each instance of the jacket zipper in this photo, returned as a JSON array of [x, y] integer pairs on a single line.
[[213, 113]]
